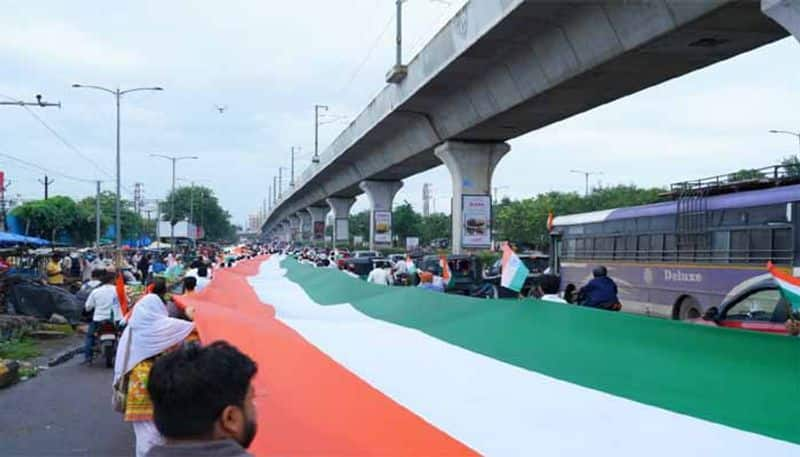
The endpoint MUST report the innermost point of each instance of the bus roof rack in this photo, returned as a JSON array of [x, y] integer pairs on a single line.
[[776, 175]]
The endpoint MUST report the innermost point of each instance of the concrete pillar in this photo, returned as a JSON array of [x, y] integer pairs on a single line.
[[305, 225], [341, 224], [294, 227], [380, 195], [784, 12], [471, 166], [318, 214]]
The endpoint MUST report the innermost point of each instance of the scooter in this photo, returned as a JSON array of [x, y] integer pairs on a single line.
[[106, 338]]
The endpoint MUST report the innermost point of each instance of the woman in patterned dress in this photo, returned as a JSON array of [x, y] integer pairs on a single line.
[[149, 333]]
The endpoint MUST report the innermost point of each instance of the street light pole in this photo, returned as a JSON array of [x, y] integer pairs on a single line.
[[315, 159], [291, 180], [787, 132], [117, 95], [586, 175], [97, 217], [174, 160]]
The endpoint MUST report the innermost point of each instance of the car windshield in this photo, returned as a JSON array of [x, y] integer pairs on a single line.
[[535, 264], [759, 305]]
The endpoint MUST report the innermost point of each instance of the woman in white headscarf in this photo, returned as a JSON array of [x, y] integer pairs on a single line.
[[150, 332]]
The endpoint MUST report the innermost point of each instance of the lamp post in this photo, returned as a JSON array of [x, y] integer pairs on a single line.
[[315, 159], [175, 160], [117, 93], [586, 175], [787, 132]]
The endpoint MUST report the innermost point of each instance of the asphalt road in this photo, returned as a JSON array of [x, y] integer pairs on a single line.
[[65, 411]]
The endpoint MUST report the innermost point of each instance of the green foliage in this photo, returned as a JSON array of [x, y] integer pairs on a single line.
[[525, 221], [405, 222], [201, 205], [792, 164], [359, 224], [61, 215], [488, 257], [745, 174], [19, 349], [433, 227]]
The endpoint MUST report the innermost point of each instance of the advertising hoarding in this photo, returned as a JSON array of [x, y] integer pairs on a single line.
[[383, 227], [476, 223]]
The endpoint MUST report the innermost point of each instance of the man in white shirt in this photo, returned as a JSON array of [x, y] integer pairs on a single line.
[[105, 304], [382, 276], [202, 278]]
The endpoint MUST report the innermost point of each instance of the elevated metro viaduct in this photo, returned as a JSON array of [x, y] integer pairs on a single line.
[[500, 69]]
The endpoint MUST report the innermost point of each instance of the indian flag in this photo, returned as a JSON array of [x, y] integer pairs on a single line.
[[447, 275], [351, 368], [790, 286], [514, 272]]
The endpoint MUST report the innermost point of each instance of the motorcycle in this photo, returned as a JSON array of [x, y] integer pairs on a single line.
[[106, 337]]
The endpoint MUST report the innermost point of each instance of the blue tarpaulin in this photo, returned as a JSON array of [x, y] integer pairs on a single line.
[[12, 239]]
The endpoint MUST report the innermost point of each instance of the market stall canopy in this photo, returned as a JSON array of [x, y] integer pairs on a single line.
[[12, 239]]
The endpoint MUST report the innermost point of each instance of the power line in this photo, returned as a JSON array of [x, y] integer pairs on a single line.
[[66, 143], [46, 170], [371, 50]]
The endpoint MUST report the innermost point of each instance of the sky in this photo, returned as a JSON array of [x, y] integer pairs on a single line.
[[270, 62]]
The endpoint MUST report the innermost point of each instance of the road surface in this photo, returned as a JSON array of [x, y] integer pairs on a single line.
[[65, 411]]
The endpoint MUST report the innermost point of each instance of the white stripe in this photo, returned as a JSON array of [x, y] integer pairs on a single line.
[[583, 218], [493, 407]]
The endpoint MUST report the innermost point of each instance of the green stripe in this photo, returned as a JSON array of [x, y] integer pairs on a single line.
[[746, 380]]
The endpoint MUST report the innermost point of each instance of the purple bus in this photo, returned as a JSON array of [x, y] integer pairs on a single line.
[[679, 258]]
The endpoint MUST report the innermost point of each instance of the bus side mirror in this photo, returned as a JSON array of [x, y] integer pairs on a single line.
[[711, 314]]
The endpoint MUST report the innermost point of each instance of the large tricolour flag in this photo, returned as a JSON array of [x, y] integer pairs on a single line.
[[514, 272], [351, 368], [790, 286]]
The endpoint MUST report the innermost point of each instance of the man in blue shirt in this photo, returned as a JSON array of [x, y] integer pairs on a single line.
[[600, 292]]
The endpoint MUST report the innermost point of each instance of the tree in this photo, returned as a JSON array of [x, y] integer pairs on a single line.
[[792, 165], [202, 205], [49, 218], [405, 222], [746, 174], [133, 226], [359, 224], [434, 227]]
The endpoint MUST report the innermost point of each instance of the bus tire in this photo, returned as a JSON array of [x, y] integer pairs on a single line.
[[687, 308]]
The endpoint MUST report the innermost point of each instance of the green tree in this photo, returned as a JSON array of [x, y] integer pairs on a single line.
[[405, 222], [199, 203], [133, 226], [745, 174], [359, 224], [792, 165], [433, 227], [49, 218]]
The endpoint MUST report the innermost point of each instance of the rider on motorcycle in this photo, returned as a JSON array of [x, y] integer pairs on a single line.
[[600, 292], [105, 303]]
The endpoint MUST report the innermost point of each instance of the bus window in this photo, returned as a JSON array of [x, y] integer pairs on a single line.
[[630, 247], [643, 253], [670, 247], [760, 246], [720, 246], [739, 246], [782, 245], [657, 247]]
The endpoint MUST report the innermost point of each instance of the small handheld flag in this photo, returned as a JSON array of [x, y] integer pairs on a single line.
[[122, 296], [789, 285], [447, 277], [514, 272]]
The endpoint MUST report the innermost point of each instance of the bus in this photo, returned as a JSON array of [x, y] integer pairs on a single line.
[[680, 257]]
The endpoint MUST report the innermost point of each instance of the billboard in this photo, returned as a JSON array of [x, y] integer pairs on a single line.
[[476, 222], [382, 227]]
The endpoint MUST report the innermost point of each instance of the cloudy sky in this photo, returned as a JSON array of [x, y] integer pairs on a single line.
[[270, 61]]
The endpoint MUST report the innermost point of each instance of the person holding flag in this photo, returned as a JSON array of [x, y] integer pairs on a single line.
[[790, 289]]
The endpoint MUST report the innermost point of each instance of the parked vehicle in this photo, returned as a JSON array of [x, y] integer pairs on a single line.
[[365, 254], [756, 304], [535, 262]]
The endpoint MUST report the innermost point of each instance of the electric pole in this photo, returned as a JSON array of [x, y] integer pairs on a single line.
[[291, 181], [46, 184], [138, 197], [315, 159], [280, 182], [269, 197], [426, 199], [274, 190], [97, 216], [586, 175], [4, 185]]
